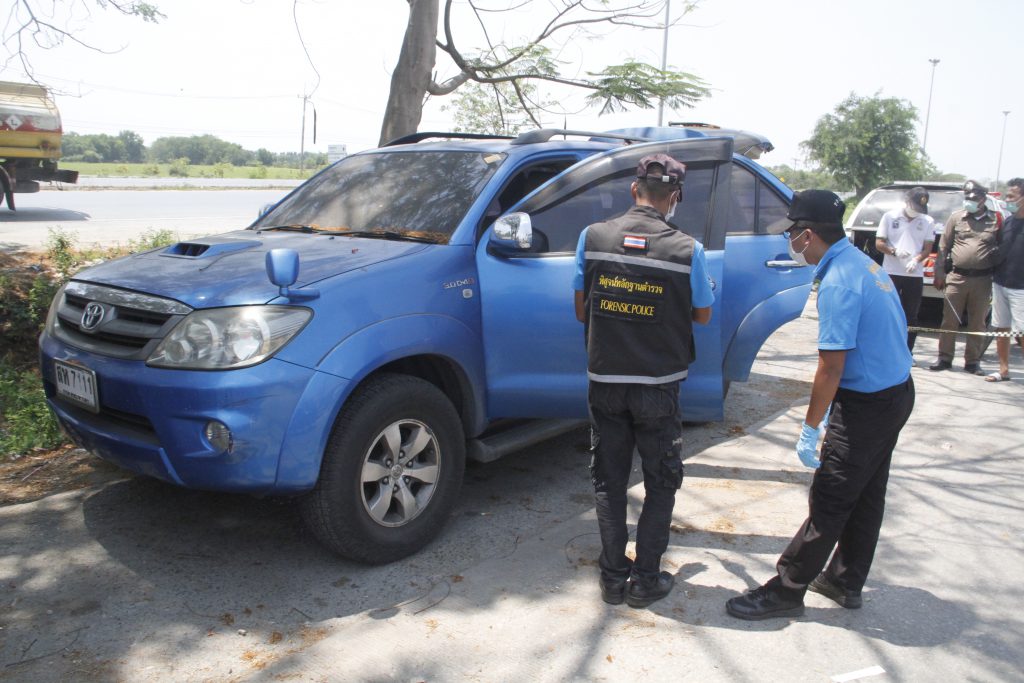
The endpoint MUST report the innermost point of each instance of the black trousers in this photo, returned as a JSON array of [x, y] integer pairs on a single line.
[[910, 290], [624, 416], [847, 499]]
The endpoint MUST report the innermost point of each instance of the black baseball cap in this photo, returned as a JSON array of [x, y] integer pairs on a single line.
[[672, 171], [917, 197], [817, 206], [974, 190]]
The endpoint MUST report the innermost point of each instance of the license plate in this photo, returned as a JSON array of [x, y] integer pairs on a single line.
[[77, 385]]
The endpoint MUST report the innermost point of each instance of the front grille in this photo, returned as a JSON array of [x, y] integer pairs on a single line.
[[115, 322]]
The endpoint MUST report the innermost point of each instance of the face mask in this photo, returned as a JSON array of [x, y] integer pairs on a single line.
[[672, 210], [970, 206], [1013, 207], [797, 256], [912, 213]]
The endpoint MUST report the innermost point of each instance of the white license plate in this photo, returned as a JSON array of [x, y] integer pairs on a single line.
[[77, 385]]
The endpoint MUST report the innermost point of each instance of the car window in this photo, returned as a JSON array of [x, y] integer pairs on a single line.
[[754, 205], [941, 203], [743, 201], [557, 226], [421, 192], [525, 181], [770, 207]]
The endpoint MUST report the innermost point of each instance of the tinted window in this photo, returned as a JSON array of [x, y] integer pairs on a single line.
[[770, 207], [557, 226], [421, 192], [743, 201]]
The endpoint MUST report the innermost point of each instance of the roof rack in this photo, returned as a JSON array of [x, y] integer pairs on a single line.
[[545, 134], [420, 137]]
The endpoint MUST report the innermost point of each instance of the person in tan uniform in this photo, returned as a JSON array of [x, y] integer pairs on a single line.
[[968, 254]]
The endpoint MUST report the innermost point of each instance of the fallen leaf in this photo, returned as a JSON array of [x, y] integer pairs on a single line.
[[610, 658], [456, 578], [275, 638], [227, 618]]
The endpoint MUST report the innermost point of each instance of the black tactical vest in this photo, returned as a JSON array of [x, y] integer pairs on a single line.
[[638, 302]]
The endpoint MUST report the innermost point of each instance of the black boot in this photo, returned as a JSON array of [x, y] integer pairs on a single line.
[[643, 593]]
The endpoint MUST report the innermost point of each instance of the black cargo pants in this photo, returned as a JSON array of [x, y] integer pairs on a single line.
[[647, 417], [847, 499]]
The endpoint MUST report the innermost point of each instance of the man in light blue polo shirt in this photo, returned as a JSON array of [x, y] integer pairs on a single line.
[[864, 375]]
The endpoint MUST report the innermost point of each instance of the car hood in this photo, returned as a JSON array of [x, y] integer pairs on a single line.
[[230, 270]]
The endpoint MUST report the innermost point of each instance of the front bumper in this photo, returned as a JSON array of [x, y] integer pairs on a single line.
[[151, 420]]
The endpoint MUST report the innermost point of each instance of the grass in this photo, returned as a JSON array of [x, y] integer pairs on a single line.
[[27, 286], [105, 170]]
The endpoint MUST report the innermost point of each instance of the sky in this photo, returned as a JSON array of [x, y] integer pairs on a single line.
[[237, 69]]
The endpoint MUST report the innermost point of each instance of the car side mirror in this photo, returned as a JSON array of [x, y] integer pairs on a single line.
[[283, 271], [510, 234]]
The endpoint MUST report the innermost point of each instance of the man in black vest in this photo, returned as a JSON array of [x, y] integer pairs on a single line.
[[640, 285]]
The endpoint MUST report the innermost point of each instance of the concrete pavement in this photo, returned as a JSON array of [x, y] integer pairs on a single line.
[[84, 576]]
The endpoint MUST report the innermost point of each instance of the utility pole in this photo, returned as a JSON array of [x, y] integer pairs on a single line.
[[664, 59], [302, 143], [928, 112], [999, 166]]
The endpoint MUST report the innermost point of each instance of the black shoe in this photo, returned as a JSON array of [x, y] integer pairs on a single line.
[[643, 593], [940, 365], [973, 369], [613, 592], [763, 603], [833, 591]]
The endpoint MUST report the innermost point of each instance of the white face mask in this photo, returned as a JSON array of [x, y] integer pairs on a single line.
[[797, 256], [671, 210]]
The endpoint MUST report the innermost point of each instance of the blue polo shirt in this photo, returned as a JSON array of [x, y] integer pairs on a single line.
[[701, 294], [859, 312]]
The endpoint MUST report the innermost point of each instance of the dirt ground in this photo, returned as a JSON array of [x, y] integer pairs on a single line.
[[42, 473]]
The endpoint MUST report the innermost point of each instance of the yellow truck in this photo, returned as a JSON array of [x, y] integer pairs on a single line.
[[30, 135]]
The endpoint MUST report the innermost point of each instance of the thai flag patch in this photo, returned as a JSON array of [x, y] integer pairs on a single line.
[[634, 242]]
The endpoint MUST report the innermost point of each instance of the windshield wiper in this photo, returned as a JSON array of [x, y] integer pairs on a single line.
[[386, 234]]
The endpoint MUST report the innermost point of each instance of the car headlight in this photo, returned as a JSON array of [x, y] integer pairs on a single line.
[[225, 338], [51, 315]]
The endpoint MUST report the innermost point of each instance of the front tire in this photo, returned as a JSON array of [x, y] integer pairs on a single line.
[[391, 471]]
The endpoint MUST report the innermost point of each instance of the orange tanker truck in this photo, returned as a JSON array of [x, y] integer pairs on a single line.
[[30, 134]]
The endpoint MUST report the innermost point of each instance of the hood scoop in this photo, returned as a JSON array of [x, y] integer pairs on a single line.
[[197, 250]]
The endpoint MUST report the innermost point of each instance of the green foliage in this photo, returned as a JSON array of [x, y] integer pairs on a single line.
[[492, 108], [179, 168], [258, 172], [867, 142], [642, 85], [806, 179], [151, 239], [149, 169], [25, 420], [219, 170], [60, 246]]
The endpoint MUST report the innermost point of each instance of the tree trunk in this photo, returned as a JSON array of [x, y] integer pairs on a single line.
[[413, 73]]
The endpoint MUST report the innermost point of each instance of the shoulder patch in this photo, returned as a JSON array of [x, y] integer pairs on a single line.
[[634, 242]]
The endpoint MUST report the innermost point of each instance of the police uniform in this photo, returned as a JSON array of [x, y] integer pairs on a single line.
[[640, 277], [972, 243], [860, 313]]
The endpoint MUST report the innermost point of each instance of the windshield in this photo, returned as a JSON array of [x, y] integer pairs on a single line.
[[941, 203], [417, 194]]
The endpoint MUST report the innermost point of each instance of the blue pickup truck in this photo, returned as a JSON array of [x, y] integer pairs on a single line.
[[405, 309]]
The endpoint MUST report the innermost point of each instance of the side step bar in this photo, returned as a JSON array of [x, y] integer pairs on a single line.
[[490, 448]]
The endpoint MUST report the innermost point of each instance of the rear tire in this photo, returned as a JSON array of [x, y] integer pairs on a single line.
[[391, 471]]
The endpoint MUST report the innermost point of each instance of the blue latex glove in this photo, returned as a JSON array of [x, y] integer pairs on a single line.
[[807, 446]]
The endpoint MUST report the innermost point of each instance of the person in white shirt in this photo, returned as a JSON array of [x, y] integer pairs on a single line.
[[905, 238]]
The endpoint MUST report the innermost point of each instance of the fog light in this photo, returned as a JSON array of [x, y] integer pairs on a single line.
[[219, 436]]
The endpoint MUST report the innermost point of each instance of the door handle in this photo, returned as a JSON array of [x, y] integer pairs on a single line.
[[788, 263]]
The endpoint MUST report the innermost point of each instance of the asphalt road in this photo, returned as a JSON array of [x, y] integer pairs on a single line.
[[112, 217], [136, 580]]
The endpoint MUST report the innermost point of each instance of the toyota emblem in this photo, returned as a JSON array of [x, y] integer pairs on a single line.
[[92, 316]]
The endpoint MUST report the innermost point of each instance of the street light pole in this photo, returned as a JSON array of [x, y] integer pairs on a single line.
[[999, 166], [664, 60], [928, 113]]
